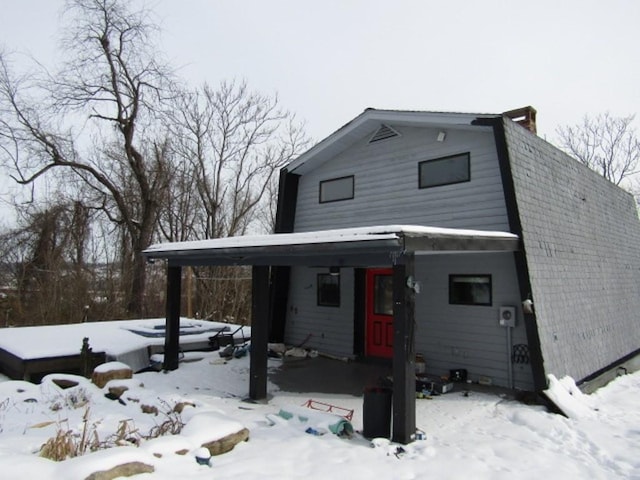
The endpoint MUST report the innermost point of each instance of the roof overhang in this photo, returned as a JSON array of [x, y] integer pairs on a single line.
[[363, 246], [368, 121]]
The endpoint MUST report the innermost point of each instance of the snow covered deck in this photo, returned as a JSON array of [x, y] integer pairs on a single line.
[[127, 341]]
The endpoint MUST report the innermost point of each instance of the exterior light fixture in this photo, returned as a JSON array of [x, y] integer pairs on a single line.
[[413, 284]]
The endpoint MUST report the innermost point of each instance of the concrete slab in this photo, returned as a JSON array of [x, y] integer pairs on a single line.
[[326, 375], [330, 376]]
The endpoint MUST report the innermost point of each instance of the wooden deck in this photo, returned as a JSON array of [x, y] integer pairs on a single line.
[[33, 369]]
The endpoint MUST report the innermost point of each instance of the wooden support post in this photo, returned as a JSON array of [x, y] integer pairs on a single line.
[[280, 276], [404, 357], [189, 293], [172, 326], [259, 332]]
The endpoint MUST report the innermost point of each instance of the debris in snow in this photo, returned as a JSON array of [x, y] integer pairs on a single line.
[[329, 408], [565, 395], [227, 352], [235, 351], [296, 352], [319, 421], [277, 348], [379, 442], [399, 451], [203, 457], [241, 350], [273, 419], [116, 391]]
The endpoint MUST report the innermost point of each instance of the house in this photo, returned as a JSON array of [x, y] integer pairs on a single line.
[[566, 303], [463, 238]]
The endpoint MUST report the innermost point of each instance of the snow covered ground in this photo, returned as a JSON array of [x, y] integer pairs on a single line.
[[475, 436]]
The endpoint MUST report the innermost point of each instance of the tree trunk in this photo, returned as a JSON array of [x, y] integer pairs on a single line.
[[140, 240], [135, 303]]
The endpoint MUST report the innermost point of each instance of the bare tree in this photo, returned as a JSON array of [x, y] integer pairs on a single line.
[[267, 214], [44, 264], [234, 141], [112, 126], [114, 84], [606, 144], [229, 142]]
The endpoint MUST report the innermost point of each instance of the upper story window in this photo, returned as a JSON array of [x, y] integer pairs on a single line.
[[444, 171], [336, 189]]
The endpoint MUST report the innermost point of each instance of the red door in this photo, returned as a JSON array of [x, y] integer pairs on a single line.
[[379, 313]]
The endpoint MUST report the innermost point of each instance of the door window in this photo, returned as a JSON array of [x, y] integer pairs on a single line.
[[383, 295]]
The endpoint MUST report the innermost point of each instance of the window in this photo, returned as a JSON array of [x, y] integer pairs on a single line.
[[470, 290], [336, 189], [328, 290], [444, 171], [383, 295]]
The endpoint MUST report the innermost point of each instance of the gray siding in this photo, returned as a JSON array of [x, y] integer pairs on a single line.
[[449, 336], [581, 234], [470, 337], [386, 184], [386, 192], [326, 329]]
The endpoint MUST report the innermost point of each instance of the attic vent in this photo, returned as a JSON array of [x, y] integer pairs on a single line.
[[384, 132]]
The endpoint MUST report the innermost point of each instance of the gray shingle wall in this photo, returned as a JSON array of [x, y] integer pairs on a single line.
[[582, 239]]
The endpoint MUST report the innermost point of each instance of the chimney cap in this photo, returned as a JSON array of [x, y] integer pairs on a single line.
[[525, 116]]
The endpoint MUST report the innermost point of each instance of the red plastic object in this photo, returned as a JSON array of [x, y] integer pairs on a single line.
[[328, 408]]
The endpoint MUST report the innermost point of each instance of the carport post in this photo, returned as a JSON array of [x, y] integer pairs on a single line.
[[259, 332], [172, 326], [404, 372]]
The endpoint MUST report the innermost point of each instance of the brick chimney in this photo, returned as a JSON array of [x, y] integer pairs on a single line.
[[525, 116]]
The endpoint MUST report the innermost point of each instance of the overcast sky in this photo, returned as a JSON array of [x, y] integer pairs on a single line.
[[328, 60]]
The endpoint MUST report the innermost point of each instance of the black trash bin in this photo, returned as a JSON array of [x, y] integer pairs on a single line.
[[376, 412]]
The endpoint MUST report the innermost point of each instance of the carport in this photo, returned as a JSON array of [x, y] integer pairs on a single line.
[[393, 246]]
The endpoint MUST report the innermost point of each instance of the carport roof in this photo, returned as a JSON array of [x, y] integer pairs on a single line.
[[359, 246]]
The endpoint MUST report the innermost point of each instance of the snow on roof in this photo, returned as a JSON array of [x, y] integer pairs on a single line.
[[358, 234]]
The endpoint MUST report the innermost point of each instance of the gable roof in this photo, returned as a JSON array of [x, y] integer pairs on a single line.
[[367, 122]]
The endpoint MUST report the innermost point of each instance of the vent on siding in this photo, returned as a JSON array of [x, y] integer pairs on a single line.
[[383, 133]]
